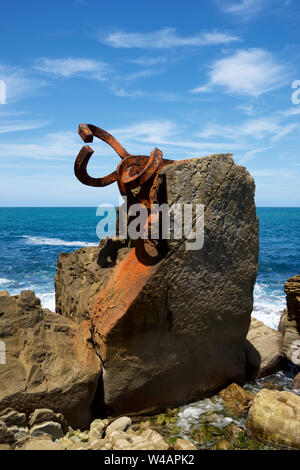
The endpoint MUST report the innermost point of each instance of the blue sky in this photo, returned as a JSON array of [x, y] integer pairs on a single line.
[[192, 78]]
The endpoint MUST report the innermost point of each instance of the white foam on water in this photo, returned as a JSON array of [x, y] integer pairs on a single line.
[[47, 300], [268, 306], [4, 282], [54, 242]]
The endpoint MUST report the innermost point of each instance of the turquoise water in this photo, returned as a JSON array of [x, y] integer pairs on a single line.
[[32, 238]]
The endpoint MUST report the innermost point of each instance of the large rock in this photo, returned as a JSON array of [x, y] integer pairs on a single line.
[[173, 332], [289, 324], [291, 338], [50, 361], [81, 275], [292, 290], [263, 350], [275, 417]]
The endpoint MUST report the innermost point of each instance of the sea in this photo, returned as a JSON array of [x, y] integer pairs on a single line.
[[32, 238]]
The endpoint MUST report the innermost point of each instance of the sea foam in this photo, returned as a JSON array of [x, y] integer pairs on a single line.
[[54, 241]]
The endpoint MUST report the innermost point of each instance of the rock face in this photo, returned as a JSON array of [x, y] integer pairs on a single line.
[[81, 275], [263, 350], [50, 362], [172, 332], [289, 324], [275, 417]]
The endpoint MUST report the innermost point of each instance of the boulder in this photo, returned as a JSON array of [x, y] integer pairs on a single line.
[[291, 338], [51, 428], [45, 414], [81, 275], [50, 361], [172, 330], [263, 350], [6, 436], [292, 290], [13, 418], [236, 399], [184, 444], [120, 424], [154, 437], [289, 324], [275, 417], [41, 444], [296, 382]]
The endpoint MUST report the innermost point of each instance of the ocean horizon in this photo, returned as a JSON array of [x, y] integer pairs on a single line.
[[32, 237]]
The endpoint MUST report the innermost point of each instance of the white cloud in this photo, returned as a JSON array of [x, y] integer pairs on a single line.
[[53, 146], [259, 129], [71, 66], [245, 7], [18, 83], [14, 126], [247, 72], [165, 38]]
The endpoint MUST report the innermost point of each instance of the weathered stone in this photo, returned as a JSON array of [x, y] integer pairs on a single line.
[[66, 442], [120, 424], [292, 290], [44, 414], [296, 382], [99, 425], [123, 441], [50, 360], [186, 316], [236, 398], [14, 418], [275, 417], [291, 338], [223, 445], [184, 444], [263, 350], [19, 432], [102, 444], [48, 427], [80, 276], [6, 436], [41, 444], [154, 437], [79, 446]]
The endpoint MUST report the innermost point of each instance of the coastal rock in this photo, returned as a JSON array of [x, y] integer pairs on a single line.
[[291, 338], [6, 436], [236, 399], [289, 324], [292, 290], [173, 330], [41, 444], [184, 444], [50, 361], [263, 350], [275, 417], [44, 414], [296, 382], [120, 424], [11, 417], [81, 275], [51, 428], [154, 437]]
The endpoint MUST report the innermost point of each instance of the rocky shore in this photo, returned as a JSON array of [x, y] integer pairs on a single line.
[[157, 355]]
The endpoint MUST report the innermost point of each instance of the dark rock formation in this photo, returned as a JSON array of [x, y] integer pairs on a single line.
[[172, 332], [50, 361]]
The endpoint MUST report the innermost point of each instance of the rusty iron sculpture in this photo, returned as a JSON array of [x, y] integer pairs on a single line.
[[134, 171]]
